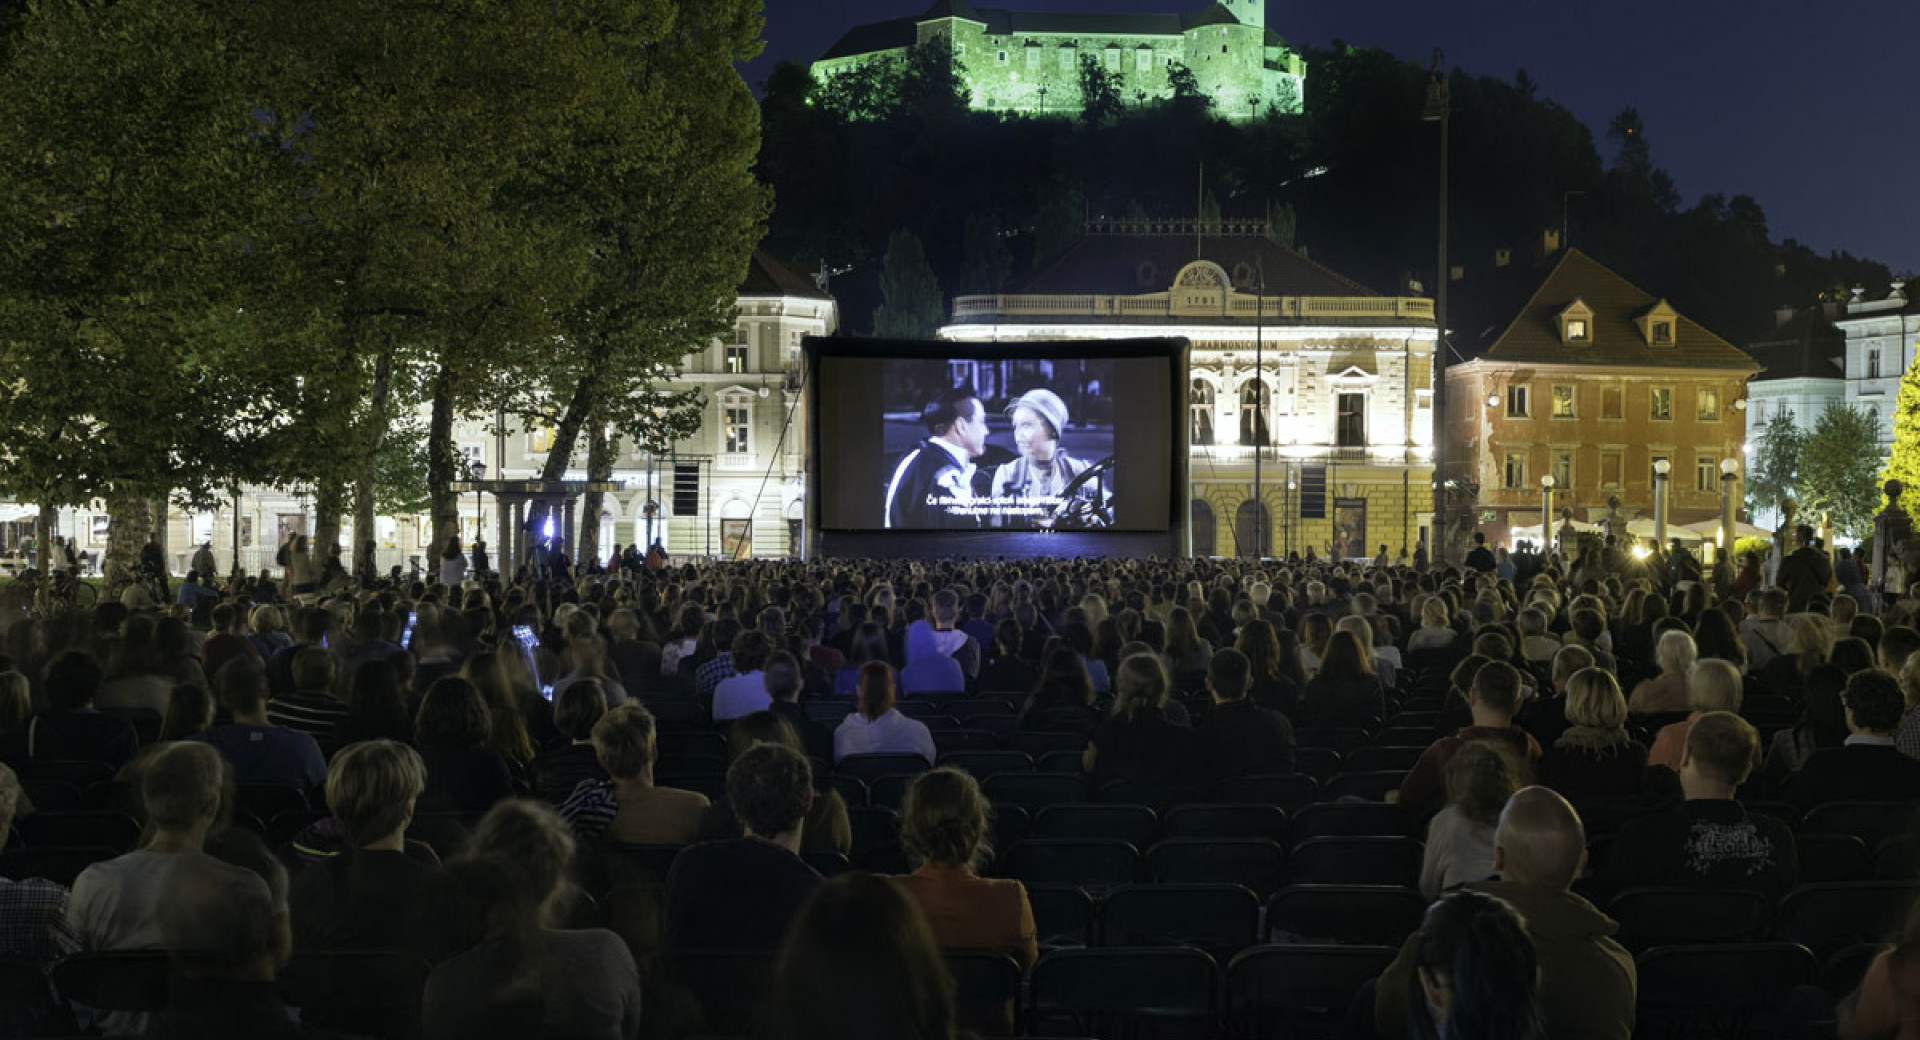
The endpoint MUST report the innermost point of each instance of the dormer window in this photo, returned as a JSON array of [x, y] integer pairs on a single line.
[[1576, 324], [1658, 324]]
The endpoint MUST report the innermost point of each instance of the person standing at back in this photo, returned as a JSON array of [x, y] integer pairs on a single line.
[[1804, 573]]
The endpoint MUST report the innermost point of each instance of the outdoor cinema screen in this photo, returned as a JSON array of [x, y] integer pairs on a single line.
[[1074, 436]]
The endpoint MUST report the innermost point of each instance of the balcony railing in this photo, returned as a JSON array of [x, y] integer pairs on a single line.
[[1238, 306]]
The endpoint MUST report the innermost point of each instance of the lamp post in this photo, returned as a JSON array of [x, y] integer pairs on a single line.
[[1729, 472], [477, 472], [1546, 513], [1660, 470], [1438, 108]]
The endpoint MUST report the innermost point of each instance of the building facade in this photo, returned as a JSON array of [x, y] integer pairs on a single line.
[[1881, 341], [1323, 381], [1029, 62], [732, 487], [1579, 393], [1802, 373]]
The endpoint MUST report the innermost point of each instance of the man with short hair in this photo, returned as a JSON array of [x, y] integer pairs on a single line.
[[1764, 634], [1588, 984], [260, 751], [1710, 840], [197, 597], [1897, 643], [1493, 701], [1479, 558], [311, 708], [630, 808], [782, 678], [740, 893], [938, 477], [744, 692], [576, 710], [1867, 766], [225, 642], [1238, 737], [949, 639], [33, 924], [1805, 573], [309, 629], [711, 673], [71, 728]]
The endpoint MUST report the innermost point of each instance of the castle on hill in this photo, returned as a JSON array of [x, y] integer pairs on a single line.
[[1029, 62]]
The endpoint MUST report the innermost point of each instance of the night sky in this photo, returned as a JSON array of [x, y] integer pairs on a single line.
[[1807, 107]]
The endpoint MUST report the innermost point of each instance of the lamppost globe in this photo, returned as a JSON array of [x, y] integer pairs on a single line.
[[1662, 466], [1493, 400], [1547, 481], [1728, 466]]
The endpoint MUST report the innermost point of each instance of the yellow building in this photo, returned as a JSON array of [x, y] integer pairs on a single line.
[[1302, 381]]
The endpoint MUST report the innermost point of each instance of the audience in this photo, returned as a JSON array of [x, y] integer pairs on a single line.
[[559, 770], [1344, 690], [1481, 776], [1240, 737], [628, 808], [1475, 972], [1595, 756], [224, 926], [35, 925], [71, 728], [1493, 702], [1712, 685], [860, 963], [827, 829], [451, 733], [1867, 766], [311, 707], [1667, 692], [1137, 743], [740, 893], [1710, 841], [877, 727], [744, 691], [261, 752]]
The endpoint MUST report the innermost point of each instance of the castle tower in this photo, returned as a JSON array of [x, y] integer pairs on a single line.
[[1249, 12]]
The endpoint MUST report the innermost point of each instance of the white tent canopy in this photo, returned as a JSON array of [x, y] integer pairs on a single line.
[[14, 512], [1708, 529], [1644, 528]]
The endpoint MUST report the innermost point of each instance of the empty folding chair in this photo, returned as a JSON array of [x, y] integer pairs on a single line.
[[1379, 915], [1341, 739], [950, 740], [852, 789], [1057, 762], [1666, 916], [986, 989], [983, 764], [1826, 917], [872, 824], [1897, 859], [1035, 791], [1093, 865], [692, 743], [1731, 990], [1371, 786], [1351, 820], [110, 830], [886, 857], [1833, 857], [1226, 820], [1317, 762], [1407, 736], [965, 707], [80, 772], [873, 767], [1000, 724], [891, 790], [1286, 791], [1256, 863], [53, 795], [1871, 822], [830, 712], [1381, 758], [1011, 823], [1218, 918], [1062, 915], [1107, 991], [1133, 824], [1357, 861], [1041, 743], [1287, 990]]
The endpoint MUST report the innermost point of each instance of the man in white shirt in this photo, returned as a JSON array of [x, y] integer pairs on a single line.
[[745, 692], [939, 472]]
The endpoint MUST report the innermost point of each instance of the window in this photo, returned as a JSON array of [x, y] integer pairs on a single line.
[[1576, 330], [1143, 60], [1873, 362], [1662, 398], [1517, 401], [1563, 469], [1662, 334], [1033, 57], [1069, 59], [1112, 57], [1350, 428], [1516, 469], [736, 424], [540, 440], [1253, 421], [1003, 57], [1613, 402], [1708, 405], [1610, 467], [1562, 401], [736, 358], [686, 489], [1201, 399], [1706, 473]]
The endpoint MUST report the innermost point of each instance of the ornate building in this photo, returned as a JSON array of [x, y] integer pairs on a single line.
[[1021, 61], [1802, 372], [1324, 382], [1883, 336], [1577, 386]]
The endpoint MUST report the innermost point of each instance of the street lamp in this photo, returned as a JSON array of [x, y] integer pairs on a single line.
[[1660, 469], [1546, 512], [1438, 108], [1729, 472]]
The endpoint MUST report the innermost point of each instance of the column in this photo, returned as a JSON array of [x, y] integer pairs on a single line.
[[568, 531], [517, 537]]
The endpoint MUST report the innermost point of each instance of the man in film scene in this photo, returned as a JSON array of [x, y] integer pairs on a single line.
[[934, 484]]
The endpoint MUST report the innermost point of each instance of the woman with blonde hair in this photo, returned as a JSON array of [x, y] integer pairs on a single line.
[[1666, 692], [1137, 743], [508, 735], [1594, 756], [1384, 665], [1712, 685], [269, 630], [1809, 642]]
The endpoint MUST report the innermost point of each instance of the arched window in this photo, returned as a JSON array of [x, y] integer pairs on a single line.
[[1255, 413], [1252, 529], [1200, 399], [1202, 523]]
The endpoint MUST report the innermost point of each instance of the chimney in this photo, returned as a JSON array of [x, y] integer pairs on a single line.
[[1783, 314], [1897, 291], [1549, 242], [1501, 258], [1834, 309]]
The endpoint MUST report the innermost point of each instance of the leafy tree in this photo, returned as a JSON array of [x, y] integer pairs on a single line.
[[987, 263], [913, 308], [1904, 465], [1099, 92], [1839, 472], [1774, 474]]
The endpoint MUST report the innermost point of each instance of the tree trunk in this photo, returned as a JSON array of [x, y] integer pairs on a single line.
[[364, 479], [129, 526], [44, 558], [600, 451], [157, 509], [565, 437], [329, 501], [442, 467]]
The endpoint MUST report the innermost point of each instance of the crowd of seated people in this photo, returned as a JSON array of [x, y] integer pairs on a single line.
[[808, 799]]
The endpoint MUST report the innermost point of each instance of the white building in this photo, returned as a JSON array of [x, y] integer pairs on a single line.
[[1344, 433], [734, 485], [1881, 337]]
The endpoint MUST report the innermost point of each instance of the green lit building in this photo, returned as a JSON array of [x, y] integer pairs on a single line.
[[1019, 61]]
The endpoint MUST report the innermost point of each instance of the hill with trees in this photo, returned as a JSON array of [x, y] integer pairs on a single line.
[[1351, 179]]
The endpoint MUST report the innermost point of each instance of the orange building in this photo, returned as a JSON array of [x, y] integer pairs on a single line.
[[1579, 383]]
